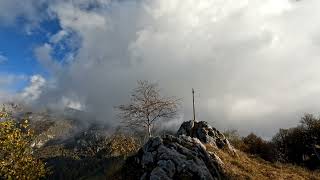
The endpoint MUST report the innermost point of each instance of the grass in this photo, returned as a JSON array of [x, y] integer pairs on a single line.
[[248, 167]]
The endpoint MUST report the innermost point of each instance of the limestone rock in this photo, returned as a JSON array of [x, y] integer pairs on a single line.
[[170, 157], [206, 134]]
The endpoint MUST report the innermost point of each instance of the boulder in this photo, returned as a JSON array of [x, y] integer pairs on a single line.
[[206, 134], [169, 157]]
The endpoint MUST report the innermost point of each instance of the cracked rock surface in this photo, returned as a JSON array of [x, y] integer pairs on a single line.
[[206, 134], [169, 157]]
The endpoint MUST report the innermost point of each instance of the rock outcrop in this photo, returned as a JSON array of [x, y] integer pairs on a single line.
[[206, 134], [169, 157]]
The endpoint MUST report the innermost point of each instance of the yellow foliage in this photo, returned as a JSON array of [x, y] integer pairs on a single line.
[[121, 144], [16, 159]]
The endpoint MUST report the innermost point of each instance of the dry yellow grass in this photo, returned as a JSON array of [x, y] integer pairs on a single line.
[[248, 167]]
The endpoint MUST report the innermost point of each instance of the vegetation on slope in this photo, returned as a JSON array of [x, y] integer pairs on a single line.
[[16, 155], [91, 153], [87, 156], [246, 166], [298, 145]]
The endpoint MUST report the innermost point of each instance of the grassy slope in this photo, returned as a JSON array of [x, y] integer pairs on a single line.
[[249, 167]]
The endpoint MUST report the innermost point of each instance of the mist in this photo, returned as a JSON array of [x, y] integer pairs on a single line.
[[253, 64]]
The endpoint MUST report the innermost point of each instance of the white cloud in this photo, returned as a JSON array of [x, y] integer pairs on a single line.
[[253, 63], [74, 104], [239, 48], [273, 7], [8, 82], [27, 14], [58, 36], [73, 17], [248, 108], [44, 55], [34, 89]]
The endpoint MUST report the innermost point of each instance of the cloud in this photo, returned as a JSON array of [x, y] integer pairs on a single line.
[[5, 96], [74, 104], [58, 36], [3, 58], [78, 19], [34, 89], [8, 83], [27, 14], [44, 55], [7, 80], [253, 63]]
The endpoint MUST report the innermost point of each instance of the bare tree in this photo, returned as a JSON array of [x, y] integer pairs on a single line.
[[147, 106]]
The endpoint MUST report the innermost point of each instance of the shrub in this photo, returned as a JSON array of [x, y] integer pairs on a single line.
[[300, 144], [235, 139], [122, 145], [16, 159], [257, 146]]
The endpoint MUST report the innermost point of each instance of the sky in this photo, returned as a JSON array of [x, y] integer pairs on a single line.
[[253, 63]]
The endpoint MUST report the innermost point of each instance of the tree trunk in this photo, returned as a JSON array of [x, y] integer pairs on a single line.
[[149, 130]]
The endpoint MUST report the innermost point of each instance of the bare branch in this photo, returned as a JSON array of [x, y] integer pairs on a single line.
[[147, 106]]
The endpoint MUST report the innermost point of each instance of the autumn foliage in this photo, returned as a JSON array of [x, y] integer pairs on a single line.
[[16, 159]]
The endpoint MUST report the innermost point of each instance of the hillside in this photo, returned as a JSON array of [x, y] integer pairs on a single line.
[[197, 151], [215, 158], [249, 167]]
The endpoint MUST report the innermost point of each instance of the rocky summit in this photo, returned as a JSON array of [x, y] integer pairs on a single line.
[[169, 157], [206, 134], [183, 156]]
